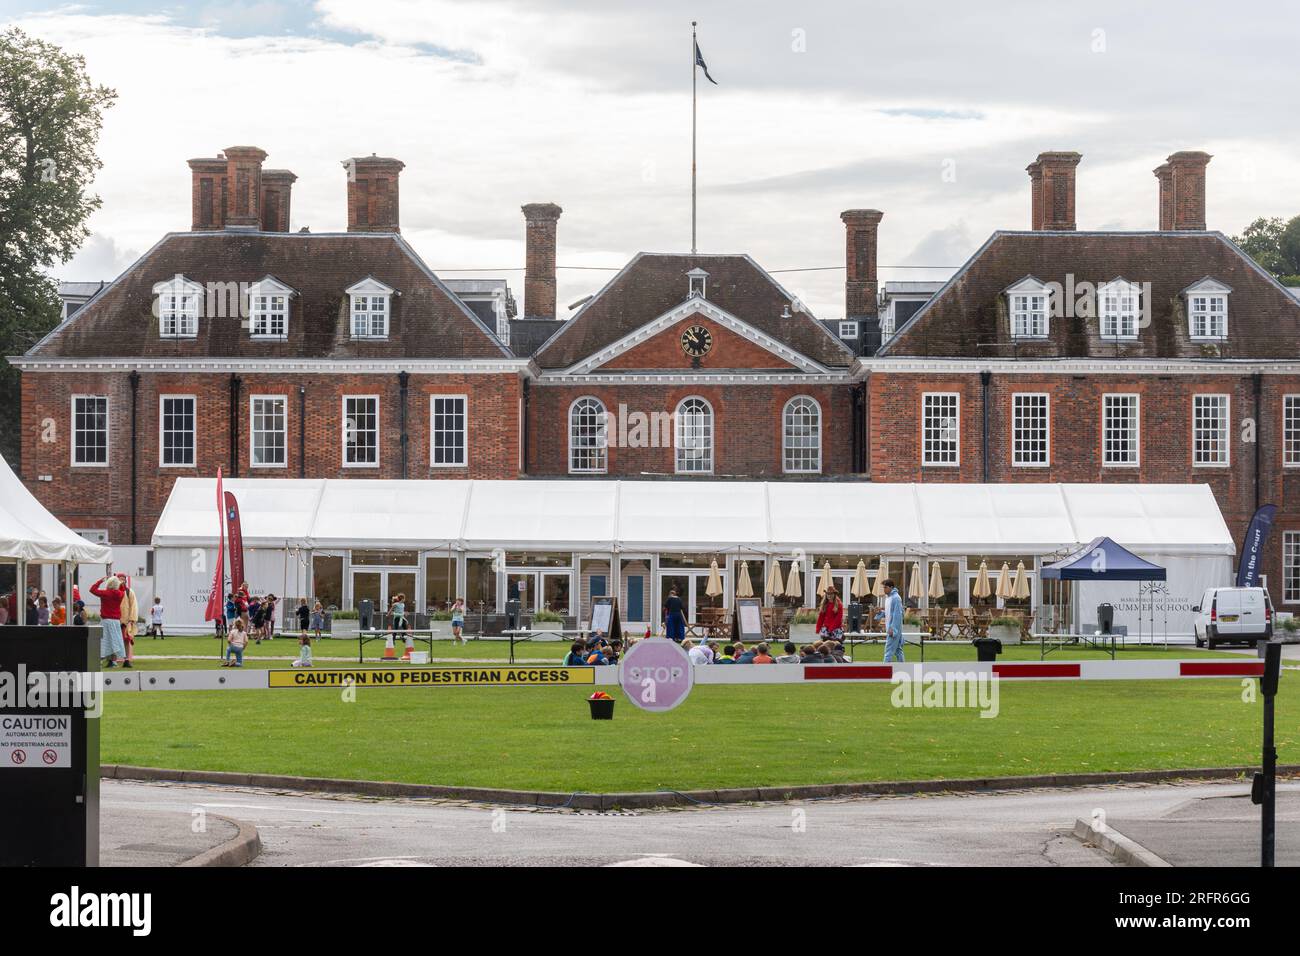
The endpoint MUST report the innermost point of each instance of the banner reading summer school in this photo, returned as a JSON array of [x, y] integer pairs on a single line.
[[235, 537]]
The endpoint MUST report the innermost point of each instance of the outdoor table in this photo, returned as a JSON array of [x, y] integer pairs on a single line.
[[381, 633], [525, 634], [1054, 642], [878, 637]]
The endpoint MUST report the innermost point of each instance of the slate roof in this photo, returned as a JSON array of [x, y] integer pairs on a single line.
[[968, 318], [426, 319], [653, 283]]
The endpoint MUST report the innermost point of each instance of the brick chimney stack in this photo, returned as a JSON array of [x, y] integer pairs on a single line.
[[1182, 190], [539, 259], [1051, 191], [244, 186], [860, 286], [207, 193], [277, 185], [372, 193]]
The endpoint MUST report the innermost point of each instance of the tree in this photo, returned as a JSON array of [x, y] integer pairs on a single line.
[[1275, 245], [50, 119]]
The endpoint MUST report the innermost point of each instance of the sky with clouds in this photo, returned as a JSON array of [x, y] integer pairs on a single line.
[[927, 110]]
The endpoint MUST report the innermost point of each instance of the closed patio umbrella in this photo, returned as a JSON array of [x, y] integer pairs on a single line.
[[878, 588], [774, 586], [1020, 588], [859, 586], [983, 588], [824, 580], [936, 581], [914, 586], [1004, 582], [794, 586], [714, 587], [744, 587]]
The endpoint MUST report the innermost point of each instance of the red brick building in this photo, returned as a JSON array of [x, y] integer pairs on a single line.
[[1053, 355], [1070, 356]]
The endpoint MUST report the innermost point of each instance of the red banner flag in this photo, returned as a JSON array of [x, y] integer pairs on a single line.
[[234, 541], [216, 598]]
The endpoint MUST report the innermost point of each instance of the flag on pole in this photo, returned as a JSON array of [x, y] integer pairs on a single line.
[[699, 61], [216, 599], [234, 540]]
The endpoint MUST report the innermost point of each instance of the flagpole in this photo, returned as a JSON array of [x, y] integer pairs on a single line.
[[694, 71]]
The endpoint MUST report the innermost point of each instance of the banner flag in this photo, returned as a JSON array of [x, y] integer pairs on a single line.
[[235, 540], [1252, 546], [216, 598]]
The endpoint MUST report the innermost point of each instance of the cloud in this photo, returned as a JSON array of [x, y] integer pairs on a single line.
[[929, 112]]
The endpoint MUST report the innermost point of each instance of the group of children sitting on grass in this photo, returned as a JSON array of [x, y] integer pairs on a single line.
[[819, 652], [599, 651]]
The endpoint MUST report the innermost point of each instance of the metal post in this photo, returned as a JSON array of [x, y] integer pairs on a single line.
[[694, 70]]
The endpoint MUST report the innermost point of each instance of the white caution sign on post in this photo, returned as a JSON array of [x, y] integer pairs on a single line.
[[37, 741]]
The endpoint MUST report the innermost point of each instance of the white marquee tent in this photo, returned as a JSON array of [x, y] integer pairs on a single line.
[[30, 533], [1176, 525]]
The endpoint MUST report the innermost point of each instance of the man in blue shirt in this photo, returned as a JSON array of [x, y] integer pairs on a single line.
[[893, 615]]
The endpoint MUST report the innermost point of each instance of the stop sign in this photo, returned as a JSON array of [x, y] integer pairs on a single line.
[[656, 674]]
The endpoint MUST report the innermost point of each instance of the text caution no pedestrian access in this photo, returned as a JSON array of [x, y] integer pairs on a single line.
[[433, 677]]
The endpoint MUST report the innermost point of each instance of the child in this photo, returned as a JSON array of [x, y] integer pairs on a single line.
[[156, 619], [268, 616], [317, 619], [397, 612], [43, 612], [458, 621], [79, 614], [236, 641], [232, 612], [304, 638], [59, 616], [255, 618]]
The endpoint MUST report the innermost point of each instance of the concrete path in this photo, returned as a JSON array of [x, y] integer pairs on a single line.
[[1008, 828], [135, 835]]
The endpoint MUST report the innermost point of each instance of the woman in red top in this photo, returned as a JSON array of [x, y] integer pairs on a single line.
[[111, 646], [830, 616]]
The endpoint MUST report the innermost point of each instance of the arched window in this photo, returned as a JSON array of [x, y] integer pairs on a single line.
[[694, 437], [801, 441], [588, 436]]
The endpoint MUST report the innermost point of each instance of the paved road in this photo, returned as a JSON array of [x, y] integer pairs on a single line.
[[1011, 828]]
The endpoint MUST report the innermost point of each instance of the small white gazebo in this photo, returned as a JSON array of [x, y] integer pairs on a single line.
[[31, 535]]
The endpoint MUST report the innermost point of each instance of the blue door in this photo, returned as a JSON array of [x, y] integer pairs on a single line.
[[636, 597]]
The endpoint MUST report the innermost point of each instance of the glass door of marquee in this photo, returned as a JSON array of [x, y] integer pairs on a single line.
[[692, 585]]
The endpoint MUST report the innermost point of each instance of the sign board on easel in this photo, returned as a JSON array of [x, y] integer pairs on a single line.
[[604, 618], [747, 621]]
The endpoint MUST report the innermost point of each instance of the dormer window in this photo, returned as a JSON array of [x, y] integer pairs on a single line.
[[370, 306], [1119, 304], [268, 309], [1027, 303], [178, 307], [697, 279], [1207, 310]]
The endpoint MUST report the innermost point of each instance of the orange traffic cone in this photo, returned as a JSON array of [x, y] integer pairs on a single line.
[[390, 653]]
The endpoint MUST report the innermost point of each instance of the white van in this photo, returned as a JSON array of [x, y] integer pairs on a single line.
[[1233, 615]]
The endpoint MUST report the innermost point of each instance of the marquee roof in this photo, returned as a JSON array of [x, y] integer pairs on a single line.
[[29, 532], [690, 515]]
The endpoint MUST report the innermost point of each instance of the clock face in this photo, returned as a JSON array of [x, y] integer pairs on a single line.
[[696, 341]]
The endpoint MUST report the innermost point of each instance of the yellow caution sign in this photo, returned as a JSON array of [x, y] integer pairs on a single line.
[[432, 677]]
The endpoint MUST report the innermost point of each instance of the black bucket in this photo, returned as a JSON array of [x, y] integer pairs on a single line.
[[601, 709]]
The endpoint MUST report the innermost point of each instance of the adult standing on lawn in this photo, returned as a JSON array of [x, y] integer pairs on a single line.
[[830, 617], [110, 597], [893, 617], [674, 617]]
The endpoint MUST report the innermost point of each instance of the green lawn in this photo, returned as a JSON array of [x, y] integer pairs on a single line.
[[722, 736], [264, 654]]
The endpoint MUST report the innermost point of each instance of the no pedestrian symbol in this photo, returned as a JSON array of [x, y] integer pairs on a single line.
[[656, 674], [18, 756]]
